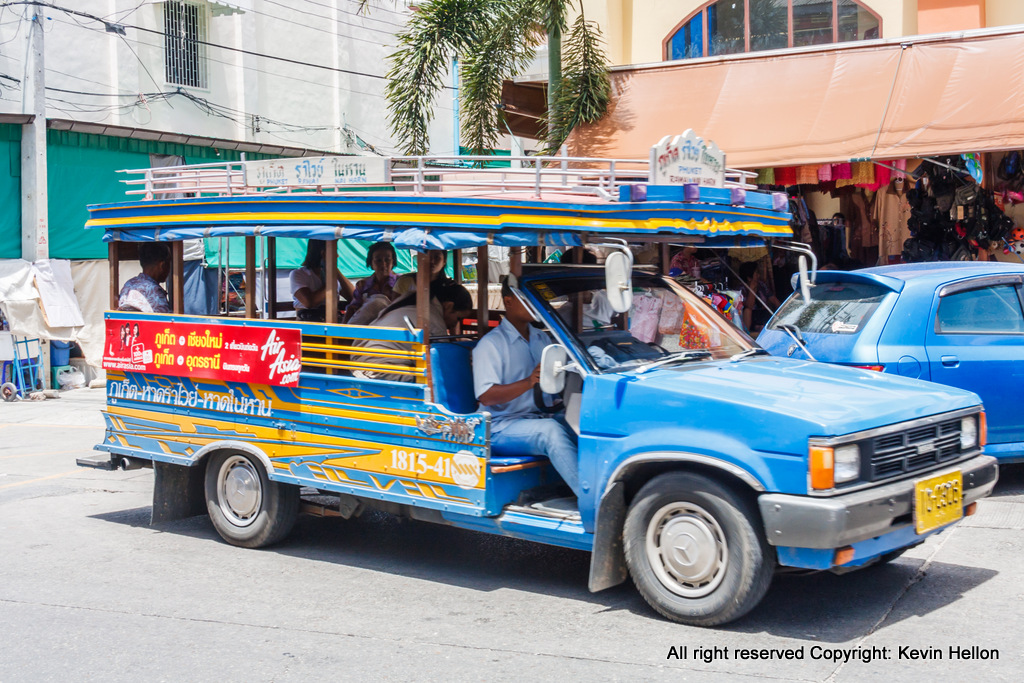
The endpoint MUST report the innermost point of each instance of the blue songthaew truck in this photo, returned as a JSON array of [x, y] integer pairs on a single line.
[[705, 465]]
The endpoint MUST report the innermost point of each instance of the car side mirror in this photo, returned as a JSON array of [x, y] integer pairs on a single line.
[[618, 283], [554, 363]]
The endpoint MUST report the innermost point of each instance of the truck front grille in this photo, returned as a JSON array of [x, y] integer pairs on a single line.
[[914, 449]]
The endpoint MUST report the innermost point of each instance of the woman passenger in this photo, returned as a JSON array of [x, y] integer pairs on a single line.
[[449, 303], [438, 259], [308, 283], [373, 294]]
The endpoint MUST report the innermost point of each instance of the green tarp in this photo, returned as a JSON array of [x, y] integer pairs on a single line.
[[10, 191]]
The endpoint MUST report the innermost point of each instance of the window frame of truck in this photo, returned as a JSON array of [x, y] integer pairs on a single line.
[[558, 201]]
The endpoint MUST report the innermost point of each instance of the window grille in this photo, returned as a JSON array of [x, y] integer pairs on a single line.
[[185, 35]]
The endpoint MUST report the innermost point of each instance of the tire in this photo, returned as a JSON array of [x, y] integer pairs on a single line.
[[246, 508], [733, 566], [9, 392]]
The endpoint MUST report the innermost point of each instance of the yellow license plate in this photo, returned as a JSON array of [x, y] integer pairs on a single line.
[[938, 501]]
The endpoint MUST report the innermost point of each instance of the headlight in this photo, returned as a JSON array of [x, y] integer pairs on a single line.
[[831, 465], [847, 459], [968, 433]]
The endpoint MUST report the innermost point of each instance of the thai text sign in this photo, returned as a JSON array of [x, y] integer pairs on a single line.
[[685, 159], [253, 355], [314, 171]]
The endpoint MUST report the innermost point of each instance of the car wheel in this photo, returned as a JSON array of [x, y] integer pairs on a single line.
[[246, 508], [694, 552]]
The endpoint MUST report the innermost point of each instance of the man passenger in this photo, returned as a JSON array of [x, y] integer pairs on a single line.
[[506, 367], [143, 292]]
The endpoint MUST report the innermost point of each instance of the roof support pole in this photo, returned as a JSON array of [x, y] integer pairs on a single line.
[[483, 310], [114, 263], [178, 276], [272, 278], [331, 282], [250, 276], [423, 310], [515, 258]]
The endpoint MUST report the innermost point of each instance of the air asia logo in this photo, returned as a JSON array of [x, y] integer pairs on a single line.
[[288, 368]]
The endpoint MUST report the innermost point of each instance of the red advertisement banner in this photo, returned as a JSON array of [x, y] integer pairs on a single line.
[[253, 355]]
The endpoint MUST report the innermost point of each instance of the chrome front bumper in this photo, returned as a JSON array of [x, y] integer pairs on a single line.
[[807, 522]]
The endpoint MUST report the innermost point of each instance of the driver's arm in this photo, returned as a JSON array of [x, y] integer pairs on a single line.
[[503, 393]]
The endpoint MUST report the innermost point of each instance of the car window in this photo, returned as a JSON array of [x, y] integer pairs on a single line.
[[834, 308], [989, 310]]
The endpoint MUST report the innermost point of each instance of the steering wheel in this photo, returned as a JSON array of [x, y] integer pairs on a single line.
[[538, 400]]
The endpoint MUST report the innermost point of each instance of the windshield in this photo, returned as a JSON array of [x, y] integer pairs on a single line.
[[665, 320], [834, 308]]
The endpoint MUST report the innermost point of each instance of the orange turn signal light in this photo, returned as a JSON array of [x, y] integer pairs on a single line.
[[876, 368], [971, 509], [822, 465], [982, 429], [843, 556]]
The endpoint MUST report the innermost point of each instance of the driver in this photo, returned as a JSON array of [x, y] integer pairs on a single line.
[[506, 367]]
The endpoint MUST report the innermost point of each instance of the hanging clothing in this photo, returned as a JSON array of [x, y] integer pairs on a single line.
[[825, 173], [807, 175], [863, 173], [785, 175], [892, 213], [765, 176]]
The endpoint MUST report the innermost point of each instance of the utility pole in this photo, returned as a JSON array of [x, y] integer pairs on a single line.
[[35, 233]]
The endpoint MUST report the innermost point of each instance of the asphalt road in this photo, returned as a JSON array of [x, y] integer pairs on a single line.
[[90, 591]]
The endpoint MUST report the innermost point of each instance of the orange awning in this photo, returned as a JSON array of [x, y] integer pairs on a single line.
[[921, 96]]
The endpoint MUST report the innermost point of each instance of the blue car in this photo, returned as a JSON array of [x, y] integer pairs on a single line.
[[955, 323]]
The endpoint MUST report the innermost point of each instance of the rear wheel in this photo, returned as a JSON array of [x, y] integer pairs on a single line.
[[694, 552], [246, 508]]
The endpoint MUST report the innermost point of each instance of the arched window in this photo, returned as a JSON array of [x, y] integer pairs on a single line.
[[726, 27]]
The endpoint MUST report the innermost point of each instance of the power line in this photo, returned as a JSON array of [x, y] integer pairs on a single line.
[[315, 15]]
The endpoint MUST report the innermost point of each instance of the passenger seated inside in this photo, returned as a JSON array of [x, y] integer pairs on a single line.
[[375, 293], [438, 258], [449, 303], [308, 284], [506, 367], [143, 292], [597, 310]]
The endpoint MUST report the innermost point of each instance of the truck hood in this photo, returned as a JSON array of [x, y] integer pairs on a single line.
[[775, 403]]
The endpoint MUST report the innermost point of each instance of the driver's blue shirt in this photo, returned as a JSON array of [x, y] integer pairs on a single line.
[[503, 357]]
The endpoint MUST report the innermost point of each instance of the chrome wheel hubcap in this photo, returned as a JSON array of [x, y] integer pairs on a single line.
[[687, 550], [241, 491]]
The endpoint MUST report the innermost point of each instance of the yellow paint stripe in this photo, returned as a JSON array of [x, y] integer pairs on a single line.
[[33, 481]]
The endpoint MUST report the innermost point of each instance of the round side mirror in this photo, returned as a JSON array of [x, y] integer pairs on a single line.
[[552, 369], [618, 284]]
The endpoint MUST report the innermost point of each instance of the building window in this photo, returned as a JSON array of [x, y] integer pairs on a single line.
[[726, 27], [184, 43]]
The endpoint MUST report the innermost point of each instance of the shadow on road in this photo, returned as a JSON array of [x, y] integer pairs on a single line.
[[1011, 481], [820, 606]]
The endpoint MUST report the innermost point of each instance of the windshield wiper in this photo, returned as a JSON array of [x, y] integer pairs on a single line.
[[681, 357], [747, 354], [794, 332]]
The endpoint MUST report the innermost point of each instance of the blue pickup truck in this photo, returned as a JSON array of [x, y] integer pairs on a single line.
[[704, 463]]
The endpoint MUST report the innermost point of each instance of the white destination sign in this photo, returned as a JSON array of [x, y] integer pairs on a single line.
[[687, 159], [313, 171]]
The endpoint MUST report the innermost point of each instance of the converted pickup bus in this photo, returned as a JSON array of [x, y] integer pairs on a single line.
[[705, 465]]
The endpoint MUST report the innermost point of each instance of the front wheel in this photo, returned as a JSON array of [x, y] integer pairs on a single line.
[[694, 552], [246, 508]]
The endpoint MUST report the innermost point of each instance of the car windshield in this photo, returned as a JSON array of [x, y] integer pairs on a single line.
[[834, 308], [666, 322]]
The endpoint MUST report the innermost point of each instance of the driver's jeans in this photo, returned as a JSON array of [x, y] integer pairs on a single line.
[[539, 435]]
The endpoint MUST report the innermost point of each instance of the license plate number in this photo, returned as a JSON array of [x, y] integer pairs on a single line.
[[938, 501]]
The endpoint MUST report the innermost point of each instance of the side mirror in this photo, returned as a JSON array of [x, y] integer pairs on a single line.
[[618, 283], [805, 284], [553, 364]]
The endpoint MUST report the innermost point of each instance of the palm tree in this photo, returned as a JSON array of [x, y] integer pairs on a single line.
[[494, 40]]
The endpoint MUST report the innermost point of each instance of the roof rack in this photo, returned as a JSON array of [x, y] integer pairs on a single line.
[[599, 179]]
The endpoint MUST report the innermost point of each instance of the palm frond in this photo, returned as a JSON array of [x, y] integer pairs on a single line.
[[439, 31], [584, 91], [505, 50]]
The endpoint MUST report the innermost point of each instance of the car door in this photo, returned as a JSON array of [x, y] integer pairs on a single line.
[[977, 343]]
